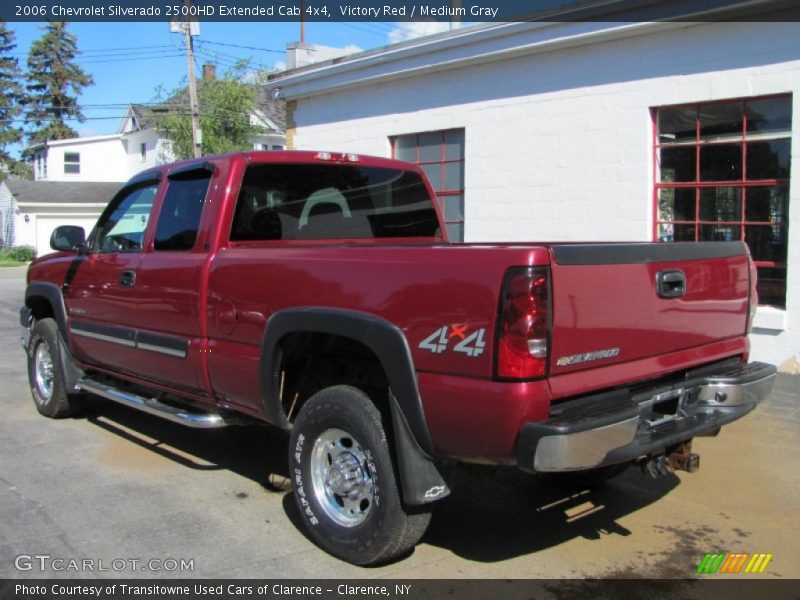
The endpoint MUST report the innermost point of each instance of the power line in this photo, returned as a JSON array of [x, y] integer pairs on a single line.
[[240, 46], [91, 62], [104, 50], [230, 62]]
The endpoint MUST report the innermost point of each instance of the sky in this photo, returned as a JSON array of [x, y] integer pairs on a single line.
[[130, 61]]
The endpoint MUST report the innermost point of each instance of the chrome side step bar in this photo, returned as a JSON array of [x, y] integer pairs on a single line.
[[197, 420]]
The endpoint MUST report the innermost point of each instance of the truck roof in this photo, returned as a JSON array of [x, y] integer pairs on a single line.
[[290, 156]]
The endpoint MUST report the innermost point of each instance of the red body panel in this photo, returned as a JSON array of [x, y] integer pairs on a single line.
[[220, 295], [596, 307]]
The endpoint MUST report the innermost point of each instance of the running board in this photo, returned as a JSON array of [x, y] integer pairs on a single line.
[[197, 420]]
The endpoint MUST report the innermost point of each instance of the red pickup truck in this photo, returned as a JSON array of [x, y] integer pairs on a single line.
[[318, 293]]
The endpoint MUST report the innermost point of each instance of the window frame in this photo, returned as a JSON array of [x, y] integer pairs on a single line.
[[235, 242], [76, 163], [192, 172], [94, 238], [742, 184], [443, 193]]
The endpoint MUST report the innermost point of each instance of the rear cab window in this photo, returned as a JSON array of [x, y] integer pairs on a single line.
[[332, 201]]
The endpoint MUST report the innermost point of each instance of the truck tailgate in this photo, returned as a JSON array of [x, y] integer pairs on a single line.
[[614, 303]]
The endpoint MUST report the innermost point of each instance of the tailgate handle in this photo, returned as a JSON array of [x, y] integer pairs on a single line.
[[671, 283]]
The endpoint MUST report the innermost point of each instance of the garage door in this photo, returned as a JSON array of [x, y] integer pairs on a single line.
[[46, 225]]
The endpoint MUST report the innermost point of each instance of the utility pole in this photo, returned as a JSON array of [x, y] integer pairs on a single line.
[[197, 134]]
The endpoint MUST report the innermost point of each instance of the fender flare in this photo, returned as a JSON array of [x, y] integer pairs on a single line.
[[420, 479], [52, 293]]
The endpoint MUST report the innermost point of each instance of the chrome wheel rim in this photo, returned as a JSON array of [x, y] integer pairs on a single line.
[[43, 363], [342, 477]]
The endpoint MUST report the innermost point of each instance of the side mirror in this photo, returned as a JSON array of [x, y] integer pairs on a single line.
[[68, 238]]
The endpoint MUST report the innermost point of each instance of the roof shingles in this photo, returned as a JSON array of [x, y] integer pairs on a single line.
[[62, 192], [147, 115]]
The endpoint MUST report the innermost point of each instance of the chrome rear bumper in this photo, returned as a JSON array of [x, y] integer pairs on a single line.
[[624, 425]]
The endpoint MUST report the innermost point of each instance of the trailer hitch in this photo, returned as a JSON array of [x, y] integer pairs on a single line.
[[683, 459], [677, 458]]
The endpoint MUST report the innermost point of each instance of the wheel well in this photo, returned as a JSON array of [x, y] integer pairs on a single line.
[[311, 361], [40, 307]]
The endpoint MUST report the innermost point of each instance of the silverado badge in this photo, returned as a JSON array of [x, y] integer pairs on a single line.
[[588, 356]]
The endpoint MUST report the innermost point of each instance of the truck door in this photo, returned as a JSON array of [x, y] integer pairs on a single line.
[[168, 283], [100, 290]]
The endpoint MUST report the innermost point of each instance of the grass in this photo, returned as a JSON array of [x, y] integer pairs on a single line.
[[4, 262]]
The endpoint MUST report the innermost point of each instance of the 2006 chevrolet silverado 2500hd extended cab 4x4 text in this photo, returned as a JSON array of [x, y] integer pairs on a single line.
[[318, 293]]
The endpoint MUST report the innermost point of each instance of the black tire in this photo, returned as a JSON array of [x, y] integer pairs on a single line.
[[590, 478], [45, 372], [351, 508]]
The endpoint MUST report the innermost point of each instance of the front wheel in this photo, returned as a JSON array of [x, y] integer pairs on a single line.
[[344, 481], [45, 373]]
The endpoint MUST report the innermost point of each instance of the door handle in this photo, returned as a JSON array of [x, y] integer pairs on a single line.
[[127, 279], [670, 284]]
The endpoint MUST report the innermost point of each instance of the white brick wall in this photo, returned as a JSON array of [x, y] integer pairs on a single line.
[[559, 145]]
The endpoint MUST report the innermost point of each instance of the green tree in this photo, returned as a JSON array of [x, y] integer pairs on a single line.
[[225, 105], [54, 83], [11, 99]]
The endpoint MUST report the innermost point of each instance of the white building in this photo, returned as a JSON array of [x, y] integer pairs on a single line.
[[29, 213], [138, 144], [615, 131], [95, 158]]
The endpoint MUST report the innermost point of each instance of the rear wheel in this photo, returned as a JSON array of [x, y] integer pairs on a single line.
[[344, 481], [45, 373]]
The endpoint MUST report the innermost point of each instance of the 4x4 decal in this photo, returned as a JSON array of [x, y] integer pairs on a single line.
[[471, 344]]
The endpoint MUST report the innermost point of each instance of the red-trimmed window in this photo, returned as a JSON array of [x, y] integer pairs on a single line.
[[441, 155], [722, 173]]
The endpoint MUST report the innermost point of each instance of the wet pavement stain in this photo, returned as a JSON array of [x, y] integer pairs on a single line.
[[120, 453]]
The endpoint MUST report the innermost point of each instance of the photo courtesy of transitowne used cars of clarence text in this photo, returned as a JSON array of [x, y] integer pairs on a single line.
[[318, 293]]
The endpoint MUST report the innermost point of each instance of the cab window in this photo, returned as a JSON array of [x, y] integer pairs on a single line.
[[121, 228], [332, 201], [180, 215]]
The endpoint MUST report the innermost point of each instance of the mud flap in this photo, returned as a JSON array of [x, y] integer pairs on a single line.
[[420, 479]]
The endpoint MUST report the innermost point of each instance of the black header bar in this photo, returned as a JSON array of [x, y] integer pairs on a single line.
[[706, 588], [463, 11]]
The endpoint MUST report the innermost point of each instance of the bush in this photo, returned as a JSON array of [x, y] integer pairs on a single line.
[[19, 253]]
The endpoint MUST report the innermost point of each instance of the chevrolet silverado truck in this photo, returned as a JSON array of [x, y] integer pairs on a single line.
[[318, 293]]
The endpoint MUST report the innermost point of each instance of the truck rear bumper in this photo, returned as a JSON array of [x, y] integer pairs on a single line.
[[613, 428]]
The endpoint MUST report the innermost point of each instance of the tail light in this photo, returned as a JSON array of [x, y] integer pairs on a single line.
[[523, 324], [753, 299]]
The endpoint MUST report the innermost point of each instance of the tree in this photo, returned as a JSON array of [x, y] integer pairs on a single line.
[[54, 83], [225, 106], [11, 99]]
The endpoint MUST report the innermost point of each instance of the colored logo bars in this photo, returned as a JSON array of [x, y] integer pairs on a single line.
[[733, 563]]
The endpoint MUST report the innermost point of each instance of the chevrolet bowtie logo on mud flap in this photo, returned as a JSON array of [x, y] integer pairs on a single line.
[[435, 492], [471, 344]]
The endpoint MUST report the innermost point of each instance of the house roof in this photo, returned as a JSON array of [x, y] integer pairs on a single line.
[[61, 192], [75, 140], [147, 115]]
